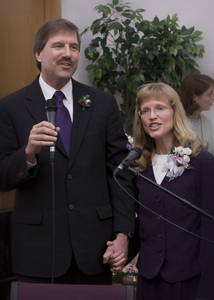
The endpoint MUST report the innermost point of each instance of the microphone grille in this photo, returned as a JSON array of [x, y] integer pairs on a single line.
[[51, 104], [138, 151]]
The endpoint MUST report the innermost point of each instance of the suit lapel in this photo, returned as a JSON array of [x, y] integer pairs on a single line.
[[80, 119], [149, 173], [35, 102]]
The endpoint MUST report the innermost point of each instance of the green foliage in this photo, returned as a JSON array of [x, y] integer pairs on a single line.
[[128, 51]]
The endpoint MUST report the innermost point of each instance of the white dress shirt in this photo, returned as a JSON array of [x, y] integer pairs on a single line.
[[158, 165], [67, 90]]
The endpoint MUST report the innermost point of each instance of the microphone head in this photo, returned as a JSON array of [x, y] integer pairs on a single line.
[[138, 152], [51, 105], [51, 109], [134, 154]]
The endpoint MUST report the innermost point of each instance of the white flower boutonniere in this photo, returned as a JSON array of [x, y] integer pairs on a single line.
[[84, 101], [130, 141], [177, 161]]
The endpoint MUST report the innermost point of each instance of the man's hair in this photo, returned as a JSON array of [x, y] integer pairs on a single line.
[[50, 28]]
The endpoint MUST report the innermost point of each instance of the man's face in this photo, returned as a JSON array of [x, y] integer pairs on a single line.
[[59, 58]]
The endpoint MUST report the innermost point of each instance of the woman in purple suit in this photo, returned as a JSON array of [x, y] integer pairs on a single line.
[[173, 264]]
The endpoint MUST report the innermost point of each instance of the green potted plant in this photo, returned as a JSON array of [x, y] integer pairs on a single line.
[[127, 51]]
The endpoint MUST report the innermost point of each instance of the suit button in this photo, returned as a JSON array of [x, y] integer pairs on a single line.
[[160, 235], [71, 206], [69, 176], [160, 253], [20, 175], [158, 199]]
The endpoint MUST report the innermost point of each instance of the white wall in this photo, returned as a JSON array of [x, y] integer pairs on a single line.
[[190, 13]]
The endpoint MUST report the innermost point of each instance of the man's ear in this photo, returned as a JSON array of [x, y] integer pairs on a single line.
[[37, 56]]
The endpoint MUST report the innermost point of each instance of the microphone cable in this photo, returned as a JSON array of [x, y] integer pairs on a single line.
[[53, 217], [158, 215], [51, 110]]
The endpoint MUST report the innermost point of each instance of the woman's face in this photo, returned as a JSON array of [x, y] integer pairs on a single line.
[[157, 117], [206, 99]]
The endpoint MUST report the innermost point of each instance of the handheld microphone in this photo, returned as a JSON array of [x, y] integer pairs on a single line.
[[134, 154], [51, 109]]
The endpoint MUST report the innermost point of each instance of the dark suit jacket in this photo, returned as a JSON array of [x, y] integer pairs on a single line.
[[89, 204], [168, 250]]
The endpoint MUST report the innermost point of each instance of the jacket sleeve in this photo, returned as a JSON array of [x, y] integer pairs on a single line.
[[123, 204], [206, 181], [13, 166]]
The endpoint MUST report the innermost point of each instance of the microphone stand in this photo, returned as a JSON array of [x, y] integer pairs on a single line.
[[187, 203]]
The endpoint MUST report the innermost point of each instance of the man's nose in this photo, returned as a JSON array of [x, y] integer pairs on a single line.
[[67, 51]]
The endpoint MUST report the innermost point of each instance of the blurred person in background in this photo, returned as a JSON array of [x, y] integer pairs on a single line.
[[197, 94]]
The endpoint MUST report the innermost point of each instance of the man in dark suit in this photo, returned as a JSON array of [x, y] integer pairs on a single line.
[[64, 235]]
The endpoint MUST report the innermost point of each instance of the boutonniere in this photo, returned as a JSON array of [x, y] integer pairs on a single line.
[[177, 161], [84, 101], [130, 141]]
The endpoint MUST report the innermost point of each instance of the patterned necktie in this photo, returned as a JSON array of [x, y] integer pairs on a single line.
[[63, 120]]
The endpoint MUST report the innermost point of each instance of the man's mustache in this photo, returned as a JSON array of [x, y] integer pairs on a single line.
[[65, 60]]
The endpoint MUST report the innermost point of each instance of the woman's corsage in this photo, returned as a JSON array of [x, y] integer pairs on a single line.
[[84, 101], [177, 161]]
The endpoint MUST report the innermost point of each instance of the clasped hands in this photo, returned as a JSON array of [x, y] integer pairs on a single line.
[[116, 253]]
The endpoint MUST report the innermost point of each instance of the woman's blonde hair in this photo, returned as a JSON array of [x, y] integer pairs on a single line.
[[181, 132]]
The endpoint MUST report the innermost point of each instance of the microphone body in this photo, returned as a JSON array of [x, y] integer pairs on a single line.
[[134, 154], [51, 110]]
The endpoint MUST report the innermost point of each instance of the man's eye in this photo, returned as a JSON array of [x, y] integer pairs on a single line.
[[73, 47]]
